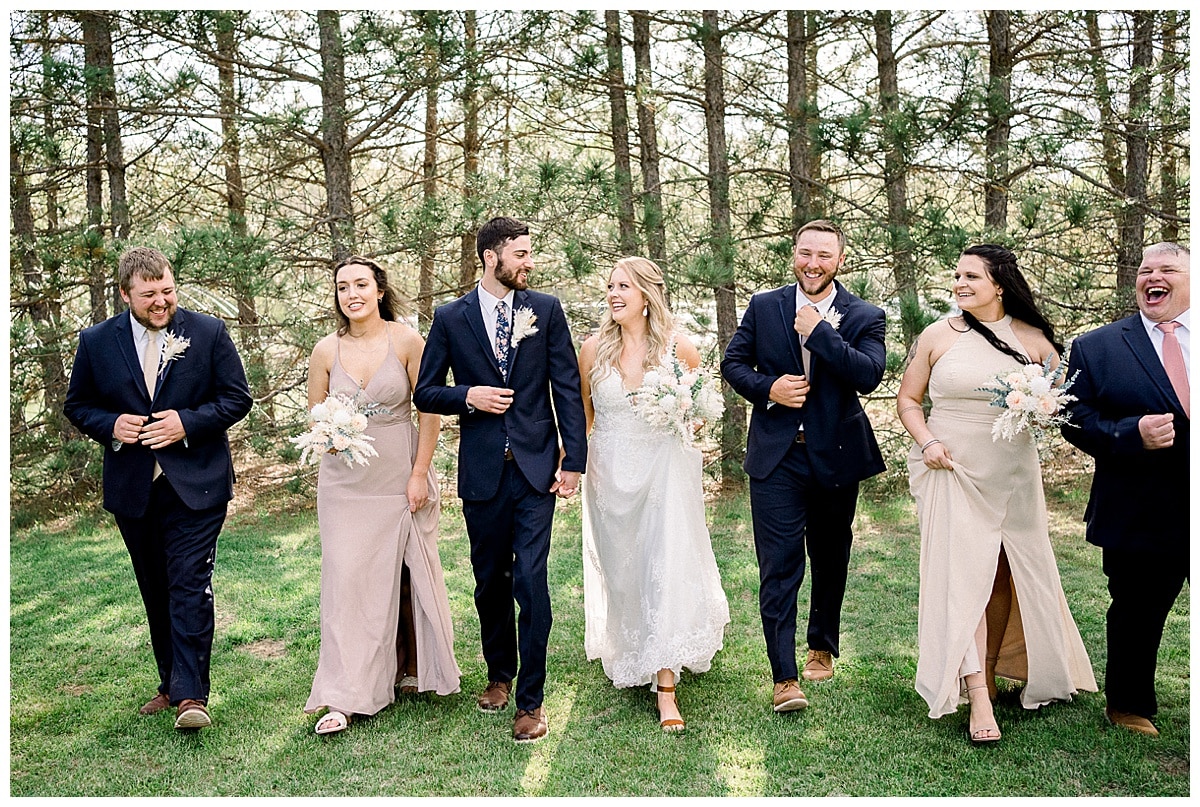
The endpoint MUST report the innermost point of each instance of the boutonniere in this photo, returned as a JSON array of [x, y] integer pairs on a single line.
[[524, 324], [833, 317], [173, 347]]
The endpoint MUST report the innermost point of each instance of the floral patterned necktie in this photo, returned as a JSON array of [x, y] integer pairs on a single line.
[[503, 335]]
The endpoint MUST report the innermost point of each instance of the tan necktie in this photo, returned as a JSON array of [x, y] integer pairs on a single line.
[[805, 356], [150, 375], [150, 361], [1175, 366]]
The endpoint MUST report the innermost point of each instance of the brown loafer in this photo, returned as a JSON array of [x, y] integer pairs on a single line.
[[192, 715], [530, 726], [1127, 720], [155, 705], [495, 697], [788, 697], [819, 666]]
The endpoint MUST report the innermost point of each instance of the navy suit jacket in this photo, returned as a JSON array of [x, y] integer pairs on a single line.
[[205, 384], [1139, 498], [845, 363], [541, 366]]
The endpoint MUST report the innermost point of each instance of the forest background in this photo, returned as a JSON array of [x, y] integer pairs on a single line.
[[256, 148]]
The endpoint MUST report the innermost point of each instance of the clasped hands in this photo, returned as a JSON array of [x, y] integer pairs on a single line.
[[165, 428]]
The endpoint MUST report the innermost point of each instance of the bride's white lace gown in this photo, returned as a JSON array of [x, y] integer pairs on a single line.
[[652, 592]]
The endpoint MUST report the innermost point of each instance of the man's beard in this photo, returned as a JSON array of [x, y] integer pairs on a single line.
[[509, 279], [148, 325]]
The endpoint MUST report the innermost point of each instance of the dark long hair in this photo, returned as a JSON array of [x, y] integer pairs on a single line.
[[389, 305], [1017, 299]]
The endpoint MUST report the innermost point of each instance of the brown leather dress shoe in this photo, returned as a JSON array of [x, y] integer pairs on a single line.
[[495, 697], [192, 715], [788, 697], [155, 705], [1127, 720], [530, 726], [819, 666]]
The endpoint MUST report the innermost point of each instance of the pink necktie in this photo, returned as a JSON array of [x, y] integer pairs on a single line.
[[1176, 369]]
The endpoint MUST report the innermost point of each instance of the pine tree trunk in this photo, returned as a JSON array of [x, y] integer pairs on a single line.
[[797, 114], [1131, 217], [999, 120], [1169, 166], [470, 103], [335, 153], [429, 178], [95, 32], [733, 425], [620, 133], [653, 225]]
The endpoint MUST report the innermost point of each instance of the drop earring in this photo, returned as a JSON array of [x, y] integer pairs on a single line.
[[645, 311]]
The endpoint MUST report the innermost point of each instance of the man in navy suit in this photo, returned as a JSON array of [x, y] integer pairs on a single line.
[[511, 354], [158, 387], [1133, 414], [802, 356]]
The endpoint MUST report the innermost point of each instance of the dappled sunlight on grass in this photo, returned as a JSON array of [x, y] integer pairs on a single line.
[[742, 770]]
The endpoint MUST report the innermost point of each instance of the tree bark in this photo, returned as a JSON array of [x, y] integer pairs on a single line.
[[335, 153], [733, 425], [1131, 217], [620, 132], [470, 102], [429, 165], [797, 114], [999, 120], [895, 179], [249, 325], [653, 225], [96, 68], [1169, 166]]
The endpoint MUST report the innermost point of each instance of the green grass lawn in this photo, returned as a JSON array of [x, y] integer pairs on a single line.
[[80, 666]]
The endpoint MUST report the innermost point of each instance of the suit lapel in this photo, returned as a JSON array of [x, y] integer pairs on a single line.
[[123, 333], [178, 327], [520, 300], [787, 313], [1139, 342], [474, 319]]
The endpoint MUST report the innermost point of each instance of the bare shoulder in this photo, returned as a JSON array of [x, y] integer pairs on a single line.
[[1035, 342], [687, 351], [943, 333], [588, 349], [325, 348]]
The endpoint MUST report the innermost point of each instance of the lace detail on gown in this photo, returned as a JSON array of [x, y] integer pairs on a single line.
[[652, 591]]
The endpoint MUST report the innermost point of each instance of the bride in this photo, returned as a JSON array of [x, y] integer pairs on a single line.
[[652, 593]]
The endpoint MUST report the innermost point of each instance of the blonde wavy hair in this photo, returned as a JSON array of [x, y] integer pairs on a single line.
[[646, 277]]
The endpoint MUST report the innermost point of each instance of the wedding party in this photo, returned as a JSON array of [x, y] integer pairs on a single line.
[[818, 464]]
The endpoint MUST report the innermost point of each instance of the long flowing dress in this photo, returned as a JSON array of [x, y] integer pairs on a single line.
[[367, 533], [993, 497], [652, 591]]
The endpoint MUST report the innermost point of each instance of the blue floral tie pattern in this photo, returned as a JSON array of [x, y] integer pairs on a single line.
[[503, 335]]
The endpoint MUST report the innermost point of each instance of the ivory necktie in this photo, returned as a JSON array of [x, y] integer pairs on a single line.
[[503, 334], [805, 356], [1175, 367], [150, 375], [150, 361]]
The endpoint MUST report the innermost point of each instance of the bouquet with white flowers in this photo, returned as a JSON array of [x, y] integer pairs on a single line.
[[673, 396], [1030, 400], [338, 425]]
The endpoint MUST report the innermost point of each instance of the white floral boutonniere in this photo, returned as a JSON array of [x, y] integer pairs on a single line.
[[833, 317], [524, 324], [173, 347]]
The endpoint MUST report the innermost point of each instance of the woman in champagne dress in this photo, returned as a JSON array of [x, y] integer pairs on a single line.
[[991, 602], [383, 597], [652, 593]]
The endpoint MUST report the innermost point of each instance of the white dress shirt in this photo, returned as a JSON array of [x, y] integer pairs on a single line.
[[1182, 333], [487, 305]]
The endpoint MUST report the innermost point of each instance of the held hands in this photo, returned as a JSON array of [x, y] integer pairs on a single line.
[[790, 390], [807, 318], [565, 484], [495, 400], [1158, 431]]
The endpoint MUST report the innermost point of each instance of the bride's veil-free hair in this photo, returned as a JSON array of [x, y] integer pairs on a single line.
[[647, 278]]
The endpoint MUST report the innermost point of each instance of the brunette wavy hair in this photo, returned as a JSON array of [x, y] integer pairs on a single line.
[[389, 305], [1016, 297]]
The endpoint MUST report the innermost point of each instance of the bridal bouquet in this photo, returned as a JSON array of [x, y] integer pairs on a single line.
[[339, 424], [1029, 400], [672, 397]]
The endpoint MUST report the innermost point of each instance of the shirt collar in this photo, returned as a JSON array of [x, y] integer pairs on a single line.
[[1184, 319], [489, 300], [139, 330], [822, 307]]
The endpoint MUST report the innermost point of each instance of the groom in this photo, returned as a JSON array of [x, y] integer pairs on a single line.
[[802, 356], [158, 387], [511, 354]]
